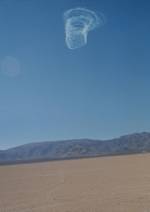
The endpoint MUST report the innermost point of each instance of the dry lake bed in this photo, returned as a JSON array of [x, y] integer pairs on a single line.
[[105, 184]]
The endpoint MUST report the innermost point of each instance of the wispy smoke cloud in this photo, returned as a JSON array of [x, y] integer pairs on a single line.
[[10, 66], [78, 23]]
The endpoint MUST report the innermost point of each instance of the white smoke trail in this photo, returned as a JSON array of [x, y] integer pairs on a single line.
[[78, 23]]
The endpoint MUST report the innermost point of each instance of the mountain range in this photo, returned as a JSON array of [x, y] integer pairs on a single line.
[[76, 148]]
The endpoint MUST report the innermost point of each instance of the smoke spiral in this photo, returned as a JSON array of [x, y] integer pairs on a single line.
[[78, 23]]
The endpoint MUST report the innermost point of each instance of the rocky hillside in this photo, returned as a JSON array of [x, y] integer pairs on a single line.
[[68, 149]]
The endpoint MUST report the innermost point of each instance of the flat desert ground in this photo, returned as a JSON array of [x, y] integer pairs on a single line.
[[105, 184]]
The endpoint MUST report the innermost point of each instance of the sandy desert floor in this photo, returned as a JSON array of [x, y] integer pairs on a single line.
[[106, 184]]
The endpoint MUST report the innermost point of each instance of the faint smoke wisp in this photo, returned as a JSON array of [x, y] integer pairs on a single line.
[[10, 66], [78, 23]]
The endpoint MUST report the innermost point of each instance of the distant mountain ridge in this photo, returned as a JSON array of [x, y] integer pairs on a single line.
[[77, 148]]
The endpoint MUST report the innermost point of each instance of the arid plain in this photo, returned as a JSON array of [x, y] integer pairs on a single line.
[[105, 184]]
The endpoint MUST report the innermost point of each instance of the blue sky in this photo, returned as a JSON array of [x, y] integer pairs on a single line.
[[98, 91]]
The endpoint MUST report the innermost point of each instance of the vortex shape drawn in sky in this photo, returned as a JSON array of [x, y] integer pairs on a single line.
[[78, 23]]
